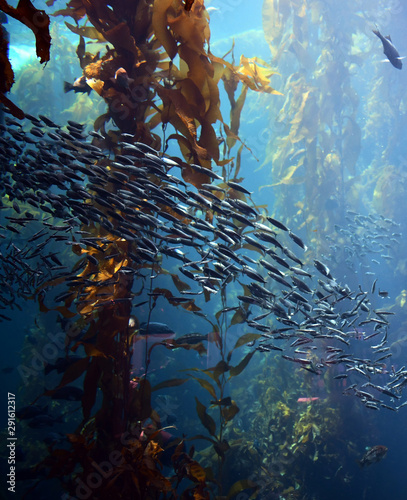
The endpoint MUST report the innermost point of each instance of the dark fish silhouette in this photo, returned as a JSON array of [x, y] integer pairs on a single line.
[[155, 328], [373, 455], [79, 85], [68, 393], [389, 50]]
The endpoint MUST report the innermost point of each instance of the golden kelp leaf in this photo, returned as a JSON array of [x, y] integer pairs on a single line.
[[256, 77], [239, 317], [206, 385], [120, 37], [288, 178], [36, 20], [235, 115], [199, 347], [309, 219], [230, 412], [251, 247], [402, 298], [239, 486], [181, 286], [189, 305], [85, 308], [93, 351], [87, 32], [239, 159], [246, 290], [173, 382], [191, 28], [246, 338], [207, 420], [182, 117], [209, 141], [197, 471], [75, 9], [300, 112], [235, 370], [275, 15], [43, 307], [160, 27], [317, 7], [221, 368], [191, 91], [302, 11]]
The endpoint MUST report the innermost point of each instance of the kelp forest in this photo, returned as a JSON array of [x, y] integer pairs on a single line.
[[182, 339]]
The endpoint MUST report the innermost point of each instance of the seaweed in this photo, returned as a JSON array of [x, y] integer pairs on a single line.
[[38, 22], [317, 149], [154, 90], [116, 422]]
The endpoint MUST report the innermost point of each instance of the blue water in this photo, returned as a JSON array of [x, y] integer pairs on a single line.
[[376, 183]]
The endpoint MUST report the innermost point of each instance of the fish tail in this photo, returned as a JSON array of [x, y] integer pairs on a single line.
[[376, 32], [67, 87]]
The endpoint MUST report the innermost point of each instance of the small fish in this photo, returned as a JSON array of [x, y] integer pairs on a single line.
[[277, 223], [31, 411], [41, 421], [79, 85], [121, 79], [373, 455], [191, 338], [322, 268], [68, 393], [297, 240], [155, 328], [7, 369], [389, 50], [307, 400]]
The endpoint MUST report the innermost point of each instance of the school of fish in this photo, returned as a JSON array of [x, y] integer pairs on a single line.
[[139, 196]]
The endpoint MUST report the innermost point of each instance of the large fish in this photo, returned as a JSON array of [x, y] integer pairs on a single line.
[[373, 455], [389, 50]]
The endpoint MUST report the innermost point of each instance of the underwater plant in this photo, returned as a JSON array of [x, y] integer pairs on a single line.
[[314, 156], [140, 81], [117, 422], [38, 22]]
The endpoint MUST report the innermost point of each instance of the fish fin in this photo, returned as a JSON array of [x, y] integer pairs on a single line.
[[384, 61], [67, 87], [400, 58], [388, 38]]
